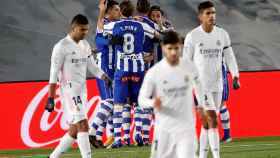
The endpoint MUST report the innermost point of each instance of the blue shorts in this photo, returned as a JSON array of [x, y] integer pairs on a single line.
[[127, 86], [105, 92], [225, 84]]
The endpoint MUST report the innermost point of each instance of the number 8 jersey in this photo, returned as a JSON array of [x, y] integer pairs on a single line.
[[129, 57]]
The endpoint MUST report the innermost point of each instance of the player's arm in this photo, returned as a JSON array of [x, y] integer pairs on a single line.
[[188, 50], [95, 70], [101, 15], [145, 98], [150, 32], [231, 63], [197, 84], [57, 60]]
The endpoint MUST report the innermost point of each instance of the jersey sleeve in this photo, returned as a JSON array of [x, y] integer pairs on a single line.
[[188, 50], [229, 56], [145, 99], [108, 28], [91, 64], [148, 30], [57, 60]]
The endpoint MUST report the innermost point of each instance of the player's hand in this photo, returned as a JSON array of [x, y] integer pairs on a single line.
[[107, 80], [157, 103], [236, 84], [148, 57], [115, 40], [50, 104], [102, 5]]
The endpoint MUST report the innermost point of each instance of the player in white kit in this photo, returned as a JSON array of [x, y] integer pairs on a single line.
[[71, 58], [206, 45], [168, 87]]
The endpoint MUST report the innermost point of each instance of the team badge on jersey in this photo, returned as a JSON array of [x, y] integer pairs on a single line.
[[218, 43], [164, 82], [73, 53], [200, 45]]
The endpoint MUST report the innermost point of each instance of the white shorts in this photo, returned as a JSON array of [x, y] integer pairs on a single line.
[[73, 102], [171, 145], [213, 101]]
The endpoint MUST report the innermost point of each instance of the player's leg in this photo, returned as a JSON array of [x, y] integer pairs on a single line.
[[203, 138], [146, 125], [120, 99], [126, 123], [224, 113], [213, 133], [163, 146], [104, 110], [75, 108], [110, 132], [65, 142], [225, 119], [138, 125], [185, 145], [68, 139], [137, 80]]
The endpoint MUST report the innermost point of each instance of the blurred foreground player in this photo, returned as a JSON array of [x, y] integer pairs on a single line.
[[71, 58], [168, 87]]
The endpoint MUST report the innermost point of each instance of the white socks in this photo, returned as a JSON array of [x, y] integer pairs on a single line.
[[214, 142], [84, 145], [65, 142], [203, 142]]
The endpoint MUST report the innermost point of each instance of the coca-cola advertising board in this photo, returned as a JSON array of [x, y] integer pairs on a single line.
[[25, 124]]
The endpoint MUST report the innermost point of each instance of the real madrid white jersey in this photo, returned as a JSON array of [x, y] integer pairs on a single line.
[[207, 51], [70, 62], [174, 85]]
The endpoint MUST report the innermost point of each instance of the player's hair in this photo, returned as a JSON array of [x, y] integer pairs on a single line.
[[143, 6], [170, 37], [110, 5], [204, 5], [80, 20], [154, 8], [127, 8]]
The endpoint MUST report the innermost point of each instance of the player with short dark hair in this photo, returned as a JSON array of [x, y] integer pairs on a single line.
[[71, 58], [207, 45], [167, 87]]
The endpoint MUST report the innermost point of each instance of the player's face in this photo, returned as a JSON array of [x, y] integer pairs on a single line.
[[208, 16], [156, 17], [115, 12], [172, 53], [80, 31]]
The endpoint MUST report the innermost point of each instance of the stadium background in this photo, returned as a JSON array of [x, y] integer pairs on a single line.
[[30, 28]]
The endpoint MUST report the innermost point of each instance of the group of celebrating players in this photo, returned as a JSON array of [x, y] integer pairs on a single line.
[[140, 67]]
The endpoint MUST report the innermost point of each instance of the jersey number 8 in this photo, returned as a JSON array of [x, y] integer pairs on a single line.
[[128, 45]]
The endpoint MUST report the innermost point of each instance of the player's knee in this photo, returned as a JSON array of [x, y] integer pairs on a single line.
[[82, 126], [212, 119], [73, 131]]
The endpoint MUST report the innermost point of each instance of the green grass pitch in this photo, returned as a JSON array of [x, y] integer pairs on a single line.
[[268, 147]]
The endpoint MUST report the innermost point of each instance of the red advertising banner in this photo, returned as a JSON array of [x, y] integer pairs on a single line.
[[25, 124]]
